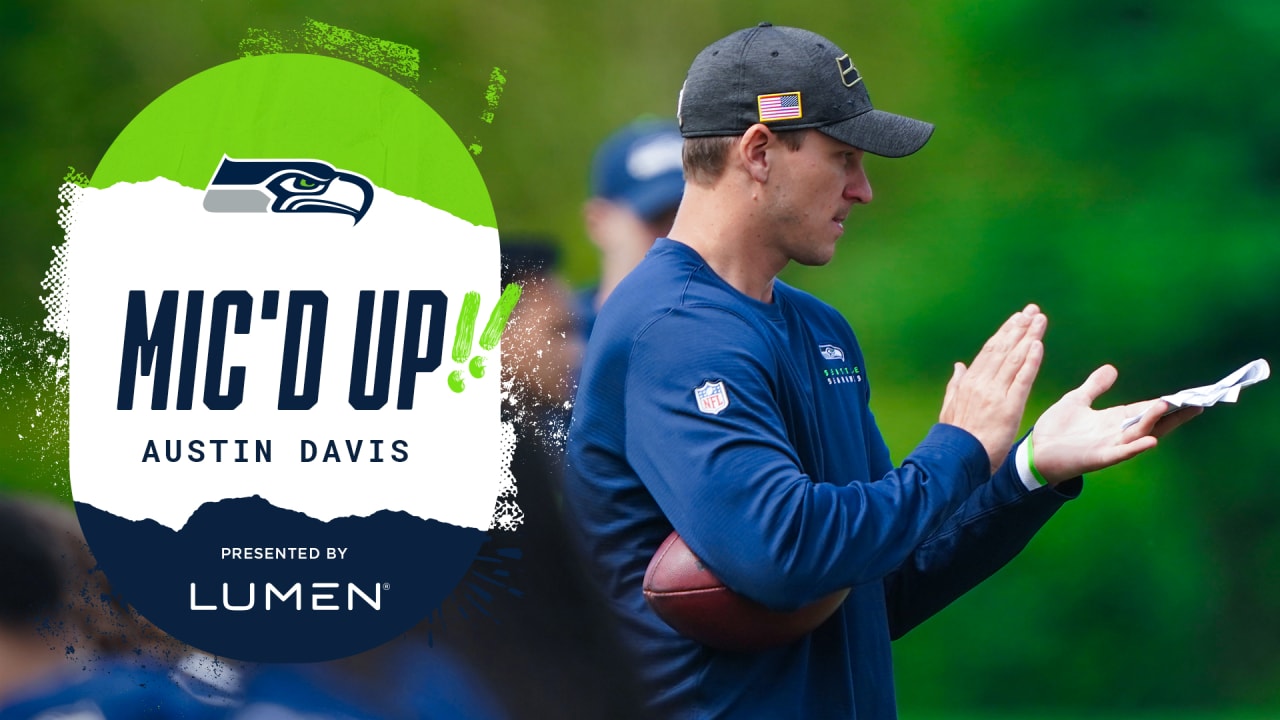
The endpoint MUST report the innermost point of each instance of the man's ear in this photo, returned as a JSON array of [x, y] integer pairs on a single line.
[[751, 151]]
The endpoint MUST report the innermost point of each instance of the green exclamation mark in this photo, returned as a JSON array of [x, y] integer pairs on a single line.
[[488, 338]]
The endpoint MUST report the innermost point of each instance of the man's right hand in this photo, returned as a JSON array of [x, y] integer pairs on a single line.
[[988, 397]]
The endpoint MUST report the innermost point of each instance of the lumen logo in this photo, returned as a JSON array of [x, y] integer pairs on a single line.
[[265, 458], [320, 596]]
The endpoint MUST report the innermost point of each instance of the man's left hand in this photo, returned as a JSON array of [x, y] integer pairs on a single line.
[[1071, 438]]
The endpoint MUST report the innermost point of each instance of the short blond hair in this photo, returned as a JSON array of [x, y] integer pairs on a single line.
[[704, 158]]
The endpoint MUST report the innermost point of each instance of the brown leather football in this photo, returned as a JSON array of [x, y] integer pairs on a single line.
[[693, 601]]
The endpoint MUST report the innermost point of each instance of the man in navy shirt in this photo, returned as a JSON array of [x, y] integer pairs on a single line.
[[732, 408]]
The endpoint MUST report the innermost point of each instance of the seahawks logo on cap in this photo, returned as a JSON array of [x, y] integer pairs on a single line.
[[287, 186], [845, 65]]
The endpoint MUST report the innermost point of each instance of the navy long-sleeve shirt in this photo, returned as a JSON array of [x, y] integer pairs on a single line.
[[746, 427]]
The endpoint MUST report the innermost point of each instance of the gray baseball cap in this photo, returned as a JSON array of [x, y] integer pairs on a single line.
[[789, 79]]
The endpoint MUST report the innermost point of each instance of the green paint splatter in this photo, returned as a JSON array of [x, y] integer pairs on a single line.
[[258, 41], [488, 339], [466, 326], [399, 62], [492, 94], [75, 177], [455, 381], [498, 320]]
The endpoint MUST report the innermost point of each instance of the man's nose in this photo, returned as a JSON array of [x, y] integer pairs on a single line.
[[857, 187]]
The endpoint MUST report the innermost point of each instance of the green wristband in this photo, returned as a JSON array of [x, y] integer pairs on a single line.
[[1031, 461]]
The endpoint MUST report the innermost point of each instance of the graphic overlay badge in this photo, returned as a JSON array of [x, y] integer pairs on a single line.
[[266, 457]]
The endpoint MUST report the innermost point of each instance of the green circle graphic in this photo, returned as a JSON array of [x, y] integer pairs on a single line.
[[290, 107], [295, 107]]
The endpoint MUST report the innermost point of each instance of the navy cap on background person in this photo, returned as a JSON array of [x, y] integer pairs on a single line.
[[637, 180], [639, 166], [789, 79]]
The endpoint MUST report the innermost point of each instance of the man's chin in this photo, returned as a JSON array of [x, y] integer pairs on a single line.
[[817, 259]]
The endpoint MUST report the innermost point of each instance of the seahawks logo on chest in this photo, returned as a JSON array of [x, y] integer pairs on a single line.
[[835, 370]]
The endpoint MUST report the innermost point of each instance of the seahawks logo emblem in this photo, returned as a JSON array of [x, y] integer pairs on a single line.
[[287, 186]]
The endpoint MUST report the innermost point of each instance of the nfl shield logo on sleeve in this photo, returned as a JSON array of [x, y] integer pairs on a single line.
[[712, 397]]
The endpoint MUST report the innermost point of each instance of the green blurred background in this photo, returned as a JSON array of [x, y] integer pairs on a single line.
[[1117, 162]]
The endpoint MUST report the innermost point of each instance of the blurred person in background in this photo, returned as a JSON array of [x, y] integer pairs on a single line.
[[31, 589], [636, 185], [524, 637], [542, 345], [546, 644], [67, 646], [404, 679]]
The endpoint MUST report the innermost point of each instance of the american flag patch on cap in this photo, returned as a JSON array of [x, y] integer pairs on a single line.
[[779, 106]]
